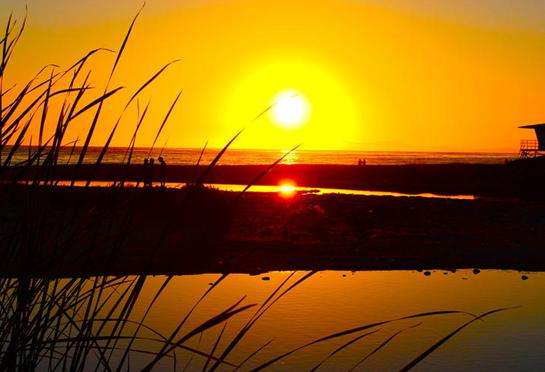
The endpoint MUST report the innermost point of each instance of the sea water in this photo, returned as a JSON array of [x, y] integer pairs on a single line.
[[238, 156]]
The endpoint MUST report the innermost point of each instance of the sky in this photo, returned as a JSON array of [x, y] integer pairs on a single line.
[[413, 75]]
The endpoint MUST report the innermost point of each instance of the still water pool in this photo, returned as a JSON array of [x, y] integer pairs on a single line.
[[332, 301]]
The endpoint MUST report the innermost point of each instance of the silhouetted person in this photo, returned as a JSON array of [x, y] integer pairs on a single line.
[[162, 171], [145, 172], [150, 172]]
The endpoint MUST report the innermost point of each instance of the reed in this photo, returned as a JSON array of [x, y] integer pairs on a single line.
[[84, 323], [69, 324]]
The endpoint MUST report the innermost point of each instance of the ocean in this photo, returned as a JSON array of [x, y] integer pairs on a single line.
[[238, 157]]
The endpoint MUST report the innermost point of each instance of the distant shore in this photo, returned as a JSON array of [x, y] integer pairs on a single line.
[[136, 231], [515, 179]]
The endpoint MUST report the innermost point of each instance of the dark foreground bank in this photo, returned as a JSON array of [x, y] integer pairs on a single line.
[[77, 231], [523, 179]]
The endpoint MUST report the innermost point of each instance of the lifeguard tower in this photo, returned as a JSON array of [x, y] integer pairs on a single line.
[[533, 148]]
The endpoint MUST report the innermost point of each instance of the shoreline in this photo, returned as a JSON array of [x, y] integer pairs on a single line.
[[514, 179]]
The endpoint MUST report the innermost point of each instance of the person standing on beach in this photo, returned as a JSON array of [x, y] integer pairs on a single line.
[[162, 171], [144, 173], [150, 172]]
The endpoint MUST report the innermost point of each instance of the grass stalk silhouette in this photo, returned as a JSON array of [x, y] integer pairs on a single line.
[[85, 323]]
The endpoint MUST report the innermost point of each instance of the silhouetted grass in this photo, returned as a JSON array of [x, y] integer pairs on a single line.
[[69, 324], [90, 323]]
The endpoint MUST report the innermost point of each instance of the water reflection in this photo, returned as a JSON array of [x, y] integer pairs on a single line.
[[287, 188], [329, 302], [279, 189], [290, 157]]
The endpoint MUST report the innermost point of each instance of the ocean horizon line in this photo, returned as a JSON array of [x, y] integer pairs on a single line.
[[278, 150]]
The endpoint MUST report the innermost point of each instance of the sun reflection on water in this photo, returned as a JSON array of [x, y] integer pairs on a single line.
[[287, 188], [290, 157]]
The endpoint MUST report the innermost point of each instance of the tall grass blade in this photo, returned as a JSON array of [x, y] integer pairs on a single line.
[[200, 180], [149, 81], [91, 130], [135, 133], [163, 148], [218, 339], [97, 101], [270, 301], [124, 43], [210, 323], [202, 153], [18, 142], [44, 110], [165, 119], [78, 65], [183, 321], [253, 354], [383, 344], [435, 346], [141, 323], [267, 170], [358, 329], [344, 346]]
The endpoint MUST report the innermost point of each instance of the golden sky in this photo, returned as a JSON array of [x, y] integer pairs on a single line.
[[410, 75]]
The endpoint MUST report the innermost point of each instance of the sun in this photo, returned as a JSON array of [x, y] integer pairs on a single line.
[[306, 102], [290, 109]]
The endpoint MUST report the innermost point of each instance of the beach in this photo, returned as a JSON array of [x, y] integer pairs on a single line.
[[176, 231], [513, 179]]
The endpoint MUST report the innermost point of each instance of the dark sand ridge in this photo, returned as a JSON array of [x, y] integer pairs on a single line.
[[520, 179], [135, 231]]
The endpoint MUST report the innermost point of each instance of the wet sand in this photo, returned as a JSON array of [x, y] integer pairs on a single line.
[[136, 231]]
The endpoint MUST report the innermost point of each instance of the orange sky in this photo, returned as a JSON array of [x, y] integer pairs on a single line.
[[413, 75]]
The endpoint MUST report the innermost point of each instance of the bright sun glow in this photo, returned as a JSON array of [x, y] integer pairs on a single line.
[[287, 188], [311, 104], [290, 109]]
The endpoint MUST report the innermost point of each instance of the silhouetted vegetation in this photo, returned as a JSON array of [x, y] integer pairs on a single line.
[[83, 322]]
